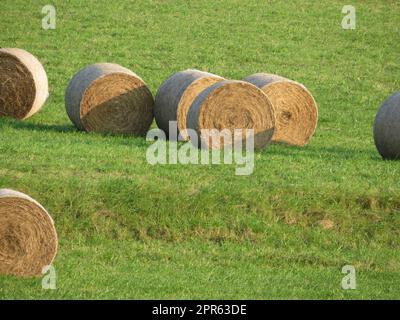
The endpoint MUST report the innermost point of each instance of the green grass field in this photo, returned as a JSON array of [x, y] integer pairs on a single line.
[[131, 230]]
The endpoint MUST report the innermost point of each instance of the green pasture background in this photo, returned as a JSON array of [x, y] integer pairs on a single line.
[[131, 230]]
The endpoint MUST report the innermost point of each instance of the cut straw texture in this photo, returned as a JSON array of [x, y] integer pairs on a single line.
[[231, 105], [109, 98], [295, 108], [23, 84], [28, 239], [176, 95], [387, 128]]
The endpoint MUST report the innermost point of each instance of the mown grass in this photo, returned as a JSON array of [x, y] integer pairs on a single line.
[[131, 230]]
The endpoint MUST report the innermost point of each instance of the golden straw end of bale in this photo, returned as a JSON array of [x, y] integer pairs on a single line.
[[28, 238]]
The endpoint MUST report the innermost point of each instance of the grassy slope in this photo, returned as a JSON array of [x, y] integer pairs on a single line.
[[130, 230]]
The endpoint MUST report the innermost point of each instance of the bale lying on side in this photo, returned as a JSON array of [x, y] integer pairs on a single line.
[[387, 128], [23, 84], [175, 96], [28, 239], [108, 98], [295, 108], [232, 105]]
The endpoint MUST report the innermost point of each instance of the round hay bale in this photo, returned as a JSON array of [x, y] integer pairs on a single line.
[[23, 84], [28, 238], [176, 95], [232, 105], [109, 98], [295, 108], [387, 128]]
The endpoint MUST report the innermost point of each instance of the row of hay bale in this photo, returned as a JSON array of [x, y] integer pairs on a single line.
[[110, 98]]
